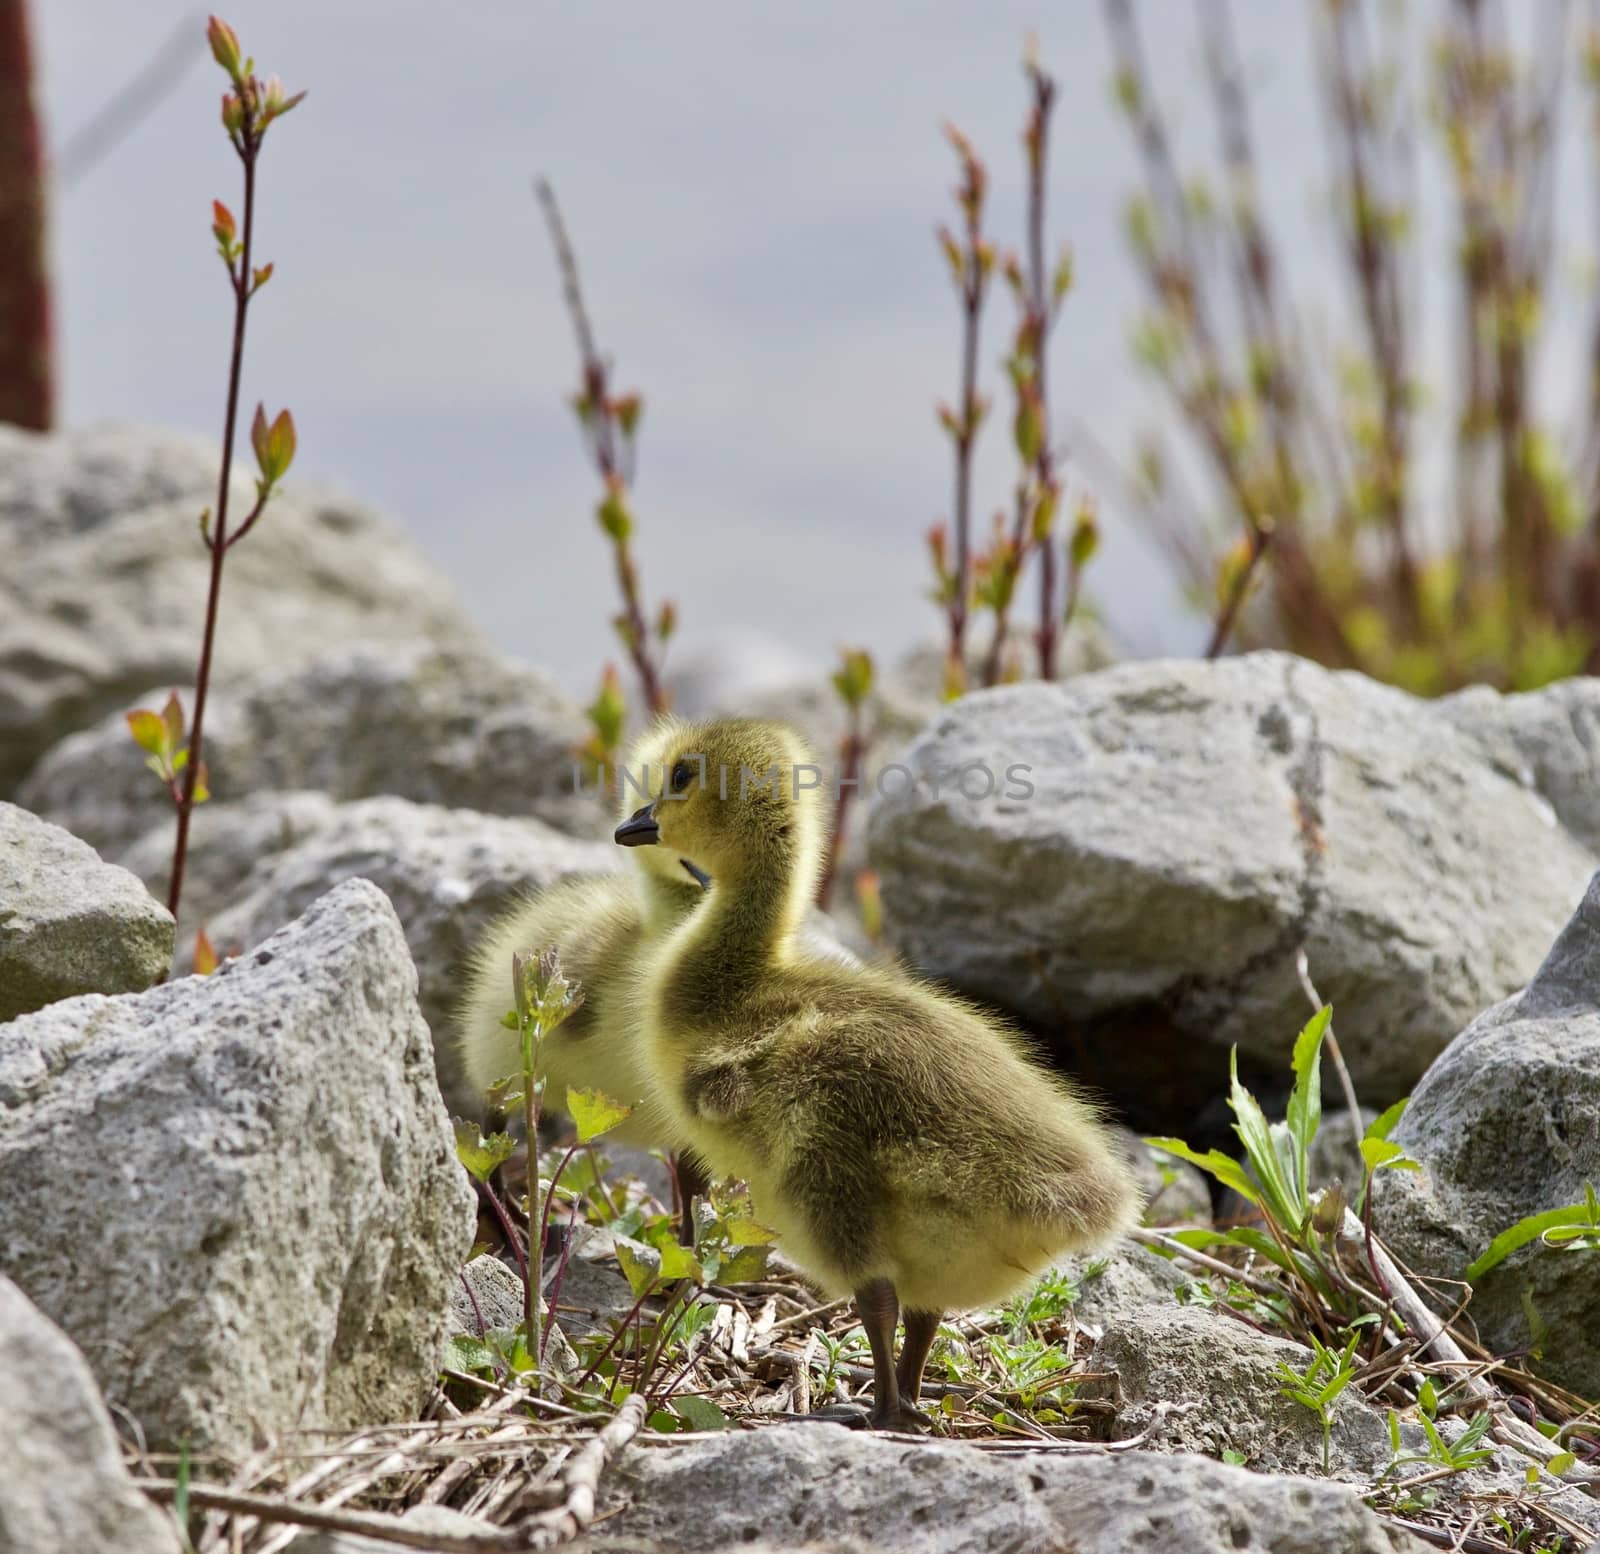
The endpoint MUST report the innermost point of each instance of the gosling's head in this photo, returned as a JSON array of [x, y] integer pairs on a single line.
[[739, 796], [641, 778]]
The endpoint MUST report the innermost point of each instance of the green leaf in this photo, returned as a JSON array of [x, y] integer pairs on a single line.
[[744, 1231], [1428, 1399], [595, 1113], [1561, 1462], [1225, 1168], [1378, 1153], [1304, 1113], [678, 1262], [1526, 1230], [1234, 1459], [1255, 1133], [466, 1353], [745, 1266], [664, 1422], [640, 1264], [478, 1154], [1384, 1124], [699, 1413], [149, 731]]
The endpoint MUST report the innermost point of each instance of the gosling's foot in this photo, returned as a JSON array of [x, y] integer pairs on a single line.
[[853, 1416], [903, 1417]]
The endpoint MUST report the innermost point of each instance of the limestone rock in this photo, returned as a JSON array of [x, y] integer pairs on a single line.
[[104, 589], [804, 1486], [448, 872], [64, 1485], [70, 923], [1166, 835], [1548, 740], [277, 1214], [1506, 1123], [488, 1289], [1191, 1379], [458, 726]]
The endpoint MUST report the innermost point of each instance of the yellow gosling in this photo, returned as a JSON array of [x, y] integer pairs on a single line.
[[903, 1144], [603, 924]]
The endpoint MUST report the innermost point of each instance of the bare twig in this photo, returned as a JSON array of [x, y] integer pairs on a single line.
[[366, 1524], [1238, 589], [582, 1478], [609, 422], [1330, 1044]]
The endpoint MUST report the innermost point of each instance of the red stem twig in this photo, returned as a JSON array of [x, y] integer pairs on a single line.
[[248, 148]]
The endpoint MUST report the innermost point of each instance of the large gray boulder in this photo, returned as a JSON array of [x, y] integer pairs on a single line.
[[439, 725], [277, 1215], [449, 873], [103, 591], [818, 1486], [1548, 740], [1507, 1124], [69, 923], [1190, 826], [64, 1485]]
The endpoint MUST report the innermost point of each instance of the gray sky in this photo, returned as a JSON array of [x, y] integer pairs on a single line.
[[752, 189]]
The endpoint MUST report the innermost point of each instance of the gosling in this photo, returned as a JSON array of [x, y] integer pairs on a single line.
[[901, 1143], [604, 925]]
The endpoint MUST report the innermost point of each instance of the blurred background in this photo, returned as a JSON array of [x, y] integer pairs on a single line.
[[1393, 288]]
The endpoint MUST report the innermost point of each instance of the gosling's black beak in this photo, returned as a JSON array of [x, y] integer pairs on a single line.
[[639, 829]]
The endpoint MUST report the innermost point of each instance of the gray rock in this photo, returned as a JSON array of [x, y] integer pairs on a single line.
[[227, 842], [277, 1214], [458, 726], [1548, 740], [1506, 1124], [496, 1294], [64, 1485], [1198, 1380], [448, 872], [810, 1485], [1113, 1288], [69, 923], [104, 588], [594, 1296], [1191, 825]]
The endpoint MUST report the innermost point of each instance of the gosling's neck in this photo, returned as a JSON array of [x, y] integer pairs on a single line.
[[743, 931], [665, 903]]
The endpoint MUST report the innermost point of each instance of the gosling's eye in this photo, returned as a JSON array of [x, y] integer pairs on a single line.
[[682, 776]]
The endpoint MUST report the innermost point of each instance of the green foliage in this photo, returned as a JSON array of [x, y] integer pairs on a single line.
[[607, 715], [1278, 1180], [1572, 1229], [1466, 1451], [161, 736], [1319, 1385], [1052, 1297], [481, 1155], [1326, 449], [594, 1113]]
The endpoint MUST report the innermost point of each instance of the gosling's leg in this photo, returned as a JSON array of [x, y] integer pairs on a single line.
[[879, 1308], [689, 1177], [922, 1328]]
